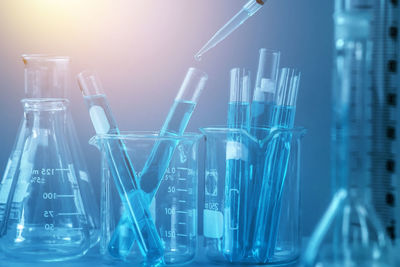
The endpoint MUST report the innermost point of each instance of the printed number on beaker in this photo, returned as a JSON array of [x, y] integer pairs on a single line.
[[49, 196]]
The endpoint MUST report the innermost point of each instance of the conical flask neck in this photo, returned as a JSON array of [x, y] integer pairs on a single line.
[[46, 76], [50, 114]]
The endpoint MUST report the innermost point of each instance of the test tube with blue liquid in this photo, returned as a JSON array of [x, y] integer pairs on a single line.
[[125, 179], [262, 108], [174, 125], [160, 157], [237, 166], [277, 158], [263, 102]]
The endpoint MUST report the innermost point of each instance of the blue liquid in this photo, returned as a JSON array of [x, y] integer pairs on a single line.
[[283, 116], [156, 165], [126, 183], [237, 171], [261, 117], [153, 171], [275, 169]]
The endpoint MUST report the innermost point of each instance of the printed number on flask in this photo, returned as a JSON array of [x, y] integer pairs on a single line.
[[49, 226], [47, 171], [49, 195], [48, 213]]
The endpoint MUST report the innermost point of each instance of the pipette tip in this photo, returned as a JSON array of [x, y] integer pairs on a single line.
[[197, 57]]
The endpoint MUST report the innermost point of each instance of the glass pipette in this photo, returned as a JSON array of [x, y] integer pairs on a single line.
[[161, 154], [125, 178], [248, 10], [237, 167]]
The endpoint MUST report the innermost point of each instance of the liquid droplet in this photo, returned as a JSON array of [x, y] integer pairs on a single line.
[[197, 57]]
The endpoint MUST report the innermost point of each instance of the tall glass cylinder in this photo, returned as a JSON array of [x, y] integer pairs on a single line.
[[350, 233]]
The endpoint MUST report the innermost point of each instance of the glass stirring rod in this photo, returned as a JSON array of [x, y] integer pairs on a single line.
[[133, 199], [161, 154], [248, 10]]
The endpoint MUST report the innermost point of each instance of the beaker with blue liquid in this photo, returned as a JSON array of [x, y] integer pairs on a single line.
[[286, 245]]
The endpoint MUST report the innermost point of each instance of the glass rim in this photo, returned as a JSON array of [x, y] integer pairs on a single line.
[[298, 131], [269, 50], [44, 57], [146, 135], [45, 104], [225, 128], [44, 100], [200, 72]]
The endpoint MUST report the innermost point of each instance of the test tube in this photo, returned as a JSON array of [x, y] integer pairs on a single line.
[[160, 157], [262, 108], [174, 125], [133, 199], [268, 212], [237, 167], [264, 92]]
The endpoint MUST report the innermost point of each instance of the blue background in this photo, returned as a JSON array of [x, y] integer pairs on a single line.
[[142, 49]]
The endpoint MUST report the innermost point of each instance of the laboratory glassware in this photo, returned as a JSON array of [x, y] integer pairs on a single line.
[[287, 247], [237, 166], [174, 125], [158, 161], [174, 207], [44, 213], [277, 158], [350, 232], [264, 90], [262, 108], [248, 10], [385, 159], [87, 189], [121, 168]]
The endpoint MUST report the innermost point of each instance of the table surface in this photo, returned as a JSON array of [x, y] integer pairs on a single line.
[[94, 259], [97, 261]]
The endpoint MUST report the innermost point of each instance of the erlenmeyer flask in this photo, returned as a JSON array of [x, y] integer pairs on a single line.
[[44, 213], [350, 232]]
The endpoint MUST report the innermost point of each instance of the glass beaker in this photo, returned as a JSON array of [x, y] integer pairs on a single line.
[[45, 214], [219, 219], [350, 232], [174, 207]]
